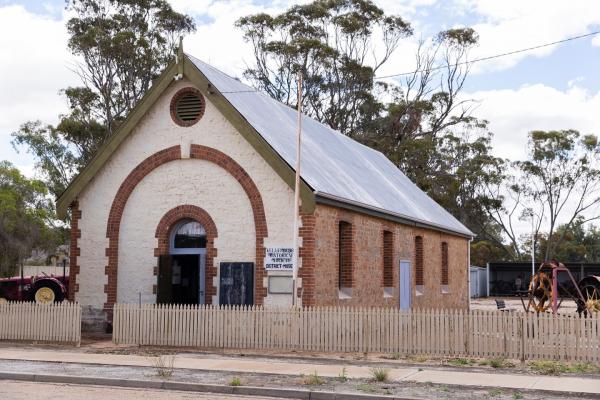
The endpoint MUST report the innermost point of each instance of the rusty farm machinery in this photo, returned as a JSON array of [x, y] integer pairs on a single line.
[[547, 292]]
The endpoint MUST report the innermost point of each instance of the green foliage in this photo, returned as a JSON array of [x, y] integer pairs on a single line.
[[25, 217], [343, 375], [123, 45], [379, 374], [557, 368], [561, 179], [330, 42], [235, 382], [460, 362], [313, 379]]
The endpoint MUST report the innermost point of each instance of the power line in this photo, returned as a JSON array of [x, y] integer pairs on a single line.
[[490, 57]]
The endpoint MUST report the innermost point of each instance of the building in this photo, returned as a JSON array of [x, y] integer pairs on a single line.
[[508, 278], [187, 199]]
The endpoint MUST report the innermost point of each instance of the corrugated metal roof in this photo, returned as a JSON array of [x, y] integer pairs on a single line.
[[334, 165]]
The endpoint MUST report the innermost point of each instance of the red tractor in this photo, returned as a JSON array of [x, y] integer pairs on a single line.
[[45, 289]]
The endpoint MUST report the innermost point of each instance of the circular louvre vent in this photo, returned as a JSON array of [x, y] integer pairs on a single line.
[[187, 106]]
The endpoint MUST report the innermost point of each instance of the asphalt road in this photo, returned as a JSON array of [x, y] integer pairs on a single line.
[[11, 390]]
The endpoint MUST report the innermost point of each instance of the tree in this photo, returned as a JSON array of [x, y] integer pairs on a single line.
[[123, 45], [561, 177], [26, 214], [332, 44]]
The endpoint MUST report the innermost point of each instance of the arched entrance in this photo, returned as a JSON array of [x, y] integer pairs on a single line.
[[187, 250]]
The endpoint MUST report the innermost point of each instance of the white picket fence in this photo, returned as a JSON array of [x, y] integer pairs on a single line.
[[59, 322], [438, 333]]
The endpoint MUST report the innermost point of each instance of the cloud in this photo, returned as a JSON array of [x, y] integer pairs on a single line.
[[34, 65], [513, 113], [510, 25]]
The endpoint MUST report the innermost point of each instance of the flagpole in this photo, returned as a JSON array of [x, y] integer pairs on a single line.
[[297, 196]]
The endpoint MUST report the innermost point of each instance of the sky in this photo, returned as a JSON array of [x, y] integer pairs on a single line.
[[556, 87]]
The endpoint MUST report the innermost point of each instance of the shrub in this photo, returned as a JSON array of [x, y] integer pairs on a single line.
[[380, 374], [313, 379], [235, 382], [163, 366]]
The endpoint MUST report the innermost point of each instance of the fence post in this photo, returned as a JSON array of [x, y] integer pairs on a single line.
[[522, 336]]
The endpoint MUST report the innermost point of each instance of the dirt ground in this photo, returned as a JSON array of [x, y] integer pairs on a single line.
[[568, 306], [50, 391]]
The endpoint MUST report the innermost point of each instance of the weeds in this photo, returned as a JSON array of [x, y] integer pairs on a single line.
[[367, 388], [547, 367], [235, 382], [517, 395], [418, 359], [380, 374], [163, 366], [460, 362], [343, 377], [495, 392], [313, 379], [500, 363]]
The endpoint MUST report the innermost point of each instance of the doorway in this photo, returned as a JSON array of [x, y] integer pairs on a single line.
[[405, 285], [181, 273]]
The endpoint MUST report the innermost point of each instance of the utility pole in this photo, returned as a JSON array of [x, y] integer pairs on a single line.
[[297, 196]]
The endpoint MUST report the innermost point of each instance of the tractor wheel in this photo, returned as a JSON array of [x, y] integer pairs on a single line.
[[591, 294], [47, 295], [540, 292]]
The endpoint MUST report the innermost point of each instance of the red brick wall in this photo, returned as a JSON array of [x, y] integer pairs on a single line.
[[368, 259]]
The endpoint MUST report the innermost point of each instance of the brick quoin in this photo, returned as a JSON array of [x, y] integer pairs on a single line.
[[307, 254], [74, 251], [163, 233], [260, 221]]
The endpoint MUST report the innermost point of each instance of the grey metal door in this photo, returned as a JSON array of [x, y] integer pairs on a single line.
[[405, 285]]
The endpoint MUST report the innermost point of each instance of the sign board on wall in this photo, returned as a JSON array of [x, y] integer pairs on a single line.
[[279, 258]]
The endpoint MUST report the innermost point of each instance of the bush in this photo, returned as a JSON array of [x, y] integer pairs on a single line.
[[380, 374], [313, 379], [235, 382], [163, 365]]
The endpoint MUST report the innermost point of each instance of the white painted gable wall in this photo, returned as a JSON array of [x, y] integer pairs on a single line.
[[186, 181]]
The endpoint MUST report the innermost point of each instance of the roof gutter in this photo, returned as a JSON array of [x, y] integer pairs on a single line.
[[332, 200]]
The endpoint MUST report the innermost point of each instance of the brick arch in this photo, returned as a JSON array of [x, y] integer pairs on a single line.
[[260, 221], [170, 220], [153, 162]]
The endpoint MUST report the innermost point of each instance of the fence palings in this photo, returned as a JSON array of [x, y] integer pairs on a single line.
[[59, 322], [440, 332]]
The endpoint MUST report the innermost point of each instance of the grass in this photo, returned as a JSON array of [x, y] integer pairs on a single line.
[[163, 366], [380, 374], [313, 380], [342, 376], [367, 388], [417, 359], [460, 362], [495, 392], [499, 363], [517, 395], [393, 356], [235, 382], [557, 368]]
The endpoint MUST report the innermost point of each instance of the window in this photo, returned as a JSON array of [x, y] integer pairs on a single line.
[[388, 259], [189, 234], [345, 254], [187, 106], [419, 261], [444, 263]]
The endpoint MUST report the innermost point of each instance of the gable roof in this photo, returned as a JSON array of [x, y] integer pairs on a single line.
[[335, 169]]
